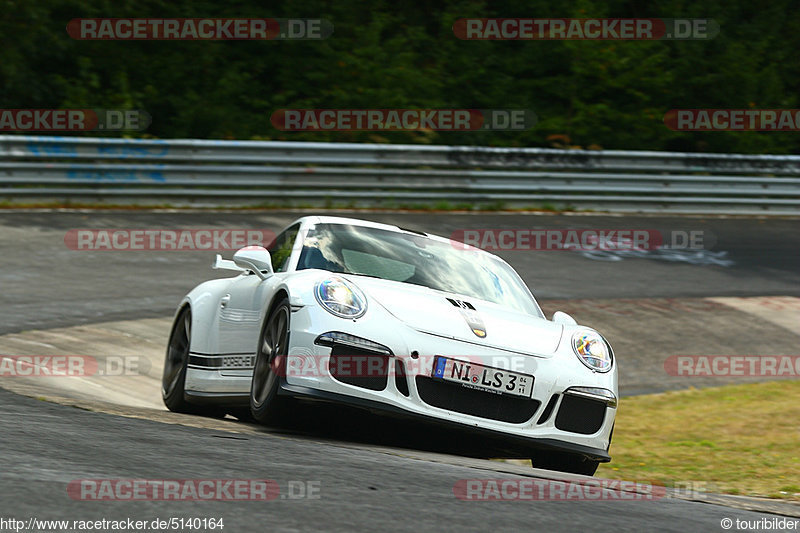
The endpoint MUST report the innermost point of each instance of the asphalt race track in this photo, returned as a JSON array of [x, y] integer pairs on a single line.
[[46, 285], [358, 488], [369, 475]]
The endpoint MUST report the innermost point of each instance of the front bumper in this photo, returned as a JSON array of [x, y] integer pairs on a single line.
[[551, 419], [495, 443]]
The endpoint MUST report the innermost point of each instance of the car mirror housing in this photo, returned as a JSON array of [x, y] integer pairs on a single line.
[[255, 258], [559, 317]]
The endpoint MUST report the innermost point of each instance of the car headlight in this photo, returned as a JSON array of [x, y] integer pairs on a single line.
[[341, 298], [592, 350]]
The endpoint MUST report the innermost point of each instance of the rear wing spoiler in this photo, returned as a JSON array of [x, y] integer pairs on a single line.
[[225, 264]]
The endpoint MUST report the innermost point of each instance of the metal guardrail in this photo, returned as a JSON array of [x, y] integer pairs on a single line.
[[200, 172]]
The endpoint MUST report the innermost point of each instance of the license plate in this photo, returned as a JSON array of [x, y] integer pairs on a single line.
[[473, 376]]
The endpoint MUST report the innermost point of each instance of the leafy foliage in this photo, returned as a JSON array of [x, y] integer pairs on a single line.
[[383, 54]]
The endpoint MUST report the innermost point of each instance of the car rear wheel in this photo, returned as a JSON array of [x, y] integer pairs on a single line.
[[265, 404], [565, 462]]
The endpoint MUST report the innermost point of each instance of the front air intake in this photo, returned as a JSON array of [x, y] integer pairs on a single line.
[[456, 397], [360, 368], [580, 415], [400, 380], [548, 410]]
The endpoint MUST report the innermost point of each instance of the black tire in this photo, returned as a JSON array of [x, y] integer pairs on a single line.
[[265, 404], [173, 380], [565, 462]]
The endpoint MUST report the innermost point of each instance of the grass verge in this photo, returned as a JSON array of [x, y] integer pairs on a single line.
[[737, 439]]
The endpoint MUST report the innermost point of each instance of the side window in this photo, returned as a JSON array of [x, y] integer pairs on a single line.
[[281, 248]]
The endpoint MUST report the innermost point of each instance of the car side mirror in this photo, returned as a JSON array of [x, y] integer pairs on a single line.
[[560, 317], [255, 258]]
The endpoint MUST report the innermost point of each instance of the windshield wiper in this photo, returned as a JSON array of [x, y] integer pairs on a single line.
[[364, 275]]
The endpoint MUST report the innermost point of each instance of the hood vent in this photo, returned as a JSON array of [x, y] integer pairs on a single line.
[[472, 317], [461, 304]]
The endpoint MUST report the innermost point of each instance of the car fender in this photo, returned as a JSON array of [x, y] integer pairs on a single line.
[[300, 286]]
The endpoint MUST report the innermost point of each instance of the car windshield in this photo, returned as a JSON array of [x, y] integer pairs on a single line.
[[416, 259]]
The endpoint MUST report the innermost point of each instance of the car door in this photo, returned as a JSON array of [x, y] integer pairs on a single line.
[[241, 307]]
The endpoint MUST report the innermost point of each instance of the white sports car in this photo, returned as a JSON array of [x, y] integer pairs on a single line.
[[397, 321]]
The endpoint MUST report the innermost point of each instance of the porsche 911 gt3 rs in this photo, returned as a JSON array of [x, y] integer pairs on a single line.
[[397, 321]]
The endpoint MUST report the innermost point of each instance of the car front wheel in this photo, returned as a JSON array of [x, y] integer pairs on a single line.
[[265, 404]]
